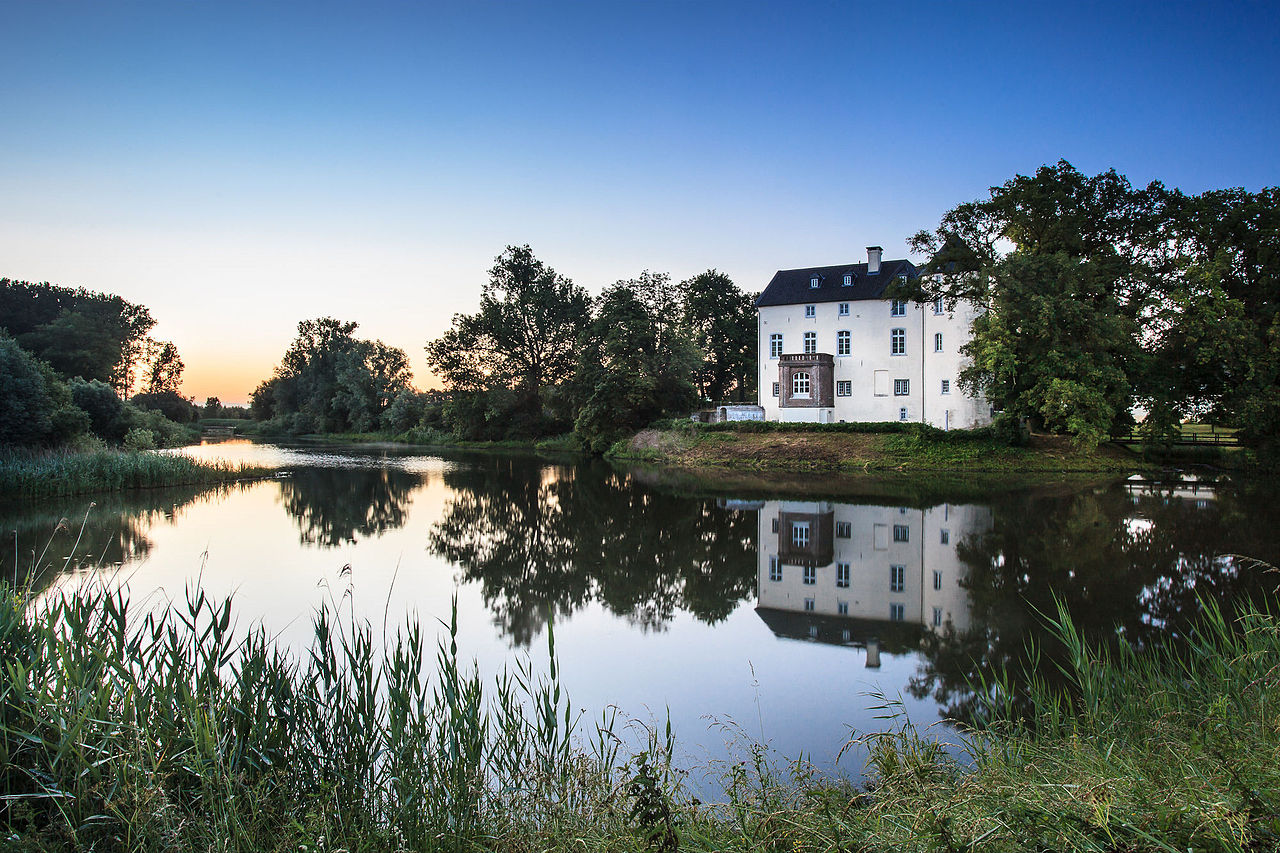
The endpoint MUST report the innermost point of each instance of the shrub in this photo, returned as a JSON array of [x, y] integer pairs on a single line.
[[140, 438]]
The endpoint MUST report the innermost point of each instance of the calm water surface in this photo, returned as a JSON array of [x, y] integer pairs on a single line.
[[780, 612]]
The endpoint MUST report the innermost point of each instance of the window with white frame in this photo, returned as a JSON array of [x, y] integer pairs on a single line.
[[844, 529], [897, 578], [937, 305], [815, 282], [897, 342], [800, 534], [937, 579], [937, 342], [810, 343], [773, 522], [775, 569], [945, 536], [842, 609], [775, 346], [842, 575], [775, 389], [808, 605], [897, 612], [844, 309], [810, 575], [844, 342], [903, 414], [800, 385], [937, 617], [898, 308], [946, 386], [844, 388], [901, 387], [811, 311], [901, 533], [848, 279]]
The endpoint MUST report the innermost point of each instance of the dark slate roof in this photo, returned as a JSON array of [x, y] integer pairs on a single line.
[[791, 287]]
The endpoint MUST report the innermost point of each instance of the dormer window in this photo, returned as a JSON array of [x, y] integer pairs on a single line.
[[848, 279], [815, 282]]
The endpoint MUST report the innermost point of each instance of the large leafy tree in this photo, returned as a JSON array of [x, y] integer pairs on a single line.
[[331, 381], [1216, 337], [637, 364], [1065, 266], [76, 331], [723, 321], [508, 363], [523, 337]]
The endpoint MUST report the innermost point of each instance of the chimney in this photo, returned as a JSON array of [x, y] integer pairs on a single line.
[[873, 260]]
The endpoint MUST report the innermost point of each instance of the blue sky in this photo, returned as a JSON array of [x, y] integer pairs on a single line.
[[238, 167]]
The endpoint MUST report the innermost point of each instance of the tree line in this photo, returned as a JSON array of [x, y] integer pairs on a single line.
[[80, 366], [539, 358], [1101, 298]]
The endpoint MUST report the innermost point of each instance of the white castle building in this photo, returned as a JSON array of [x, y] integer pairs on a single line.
[[833, 348]]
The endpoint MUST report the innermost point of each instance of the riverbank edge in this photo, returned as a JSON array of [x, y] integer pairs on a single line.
[[826, 451], [61, 473]]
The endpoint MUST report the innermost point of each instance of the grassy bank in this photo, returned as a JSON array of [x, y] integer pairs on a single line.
[[27, 474], [862, 447], [166, 731], [434, 438]]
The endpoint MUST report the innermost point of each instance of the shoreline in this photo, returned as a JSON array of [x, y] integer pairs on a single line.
[[798, 451]]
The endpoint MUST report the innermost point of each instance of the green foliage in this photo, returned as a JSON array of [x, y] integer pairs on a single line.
[[37, 408], [78, 332], [637, 363], [140, 438], [1113, 296], [331, 381], [171, 404], [69, 472], [723, 321], [1058, 341], [108, 414]]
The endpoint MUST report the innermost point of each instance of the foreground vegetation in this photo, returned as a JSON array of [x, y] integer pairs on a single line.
[[160, 730], [771, 446], [28, 474]]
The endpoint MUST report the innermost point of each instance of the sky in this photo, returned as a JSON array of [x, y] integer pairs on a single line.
[[240, 167]]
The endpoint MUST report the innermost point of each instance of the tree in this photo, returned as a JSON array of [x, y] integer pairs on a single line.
[[331, 381], [108, 414], [723, 321], [1065, 266], [501, 361], [636, 365], [164, 369], [212, 406], [37, 408], [1215, 339], [78, 332]]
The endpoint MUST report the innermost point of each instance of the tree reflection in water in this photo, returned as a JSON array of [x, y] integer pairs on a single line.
[[1127, 565], [545, 541], [336, 506], [45, 539]]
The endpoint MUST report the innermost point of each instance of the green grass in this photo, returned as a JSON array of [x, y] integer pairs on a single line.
[[128, 728], [27, 474]]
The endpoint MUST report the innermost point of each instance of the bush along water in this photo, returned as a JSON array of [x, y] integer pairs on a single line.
[[167, 729], [38, 473]]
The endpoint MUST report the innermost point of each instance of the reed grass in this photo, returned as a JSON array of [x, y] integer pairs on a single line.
[[28, 474], [132, 728]]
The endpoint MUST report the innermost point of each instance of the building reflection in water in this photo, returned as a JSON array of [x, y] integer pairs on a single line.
[[870, 577]]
